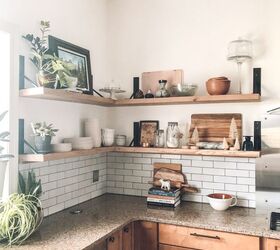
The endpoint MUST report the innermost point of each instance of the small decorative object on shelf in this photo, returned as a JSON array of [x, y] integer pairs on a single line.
[[194, 140], [120, 140], [237, 144], [92, 129], [112, 91], [139, 94], [240, 51], [218, 85], [159, 138], [149, 94], [108, 136], [225, 144], [162, 92], [233, 131], [248, 144], [43, 136], [173, 135], [182, 89]]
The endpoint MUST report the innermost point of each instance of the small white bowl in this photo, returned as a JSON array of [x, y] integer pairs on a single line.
[[61, 147], [221, 202]]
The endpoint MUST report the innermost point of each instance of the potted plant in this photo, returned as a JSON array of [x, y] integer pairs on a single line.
[[4, 158], [43, 136], [22, 213], [52, 71]]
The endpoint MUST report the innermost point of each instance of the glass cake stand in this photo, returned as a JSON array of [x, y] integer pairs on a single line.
[[112, 91]]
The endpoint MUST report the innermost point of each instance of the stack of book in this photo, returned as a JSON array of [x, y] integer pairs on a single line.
[[159, 197]]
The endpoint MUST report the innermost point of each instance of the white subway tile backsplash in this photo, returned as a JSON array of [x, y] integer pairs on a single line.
[[202, 164], [237, 187], [178, 157], [246, 166], [192, 170], [142, 160], [225, 165], [241, 173], [69, 181], [200, 177], [225, 179], [213, 171], [213, 185], [246, 181]]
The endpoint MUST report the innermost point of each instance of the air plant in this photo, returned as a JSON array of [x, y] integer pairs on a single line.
[[43, 130], [51, 69], [22, 213]]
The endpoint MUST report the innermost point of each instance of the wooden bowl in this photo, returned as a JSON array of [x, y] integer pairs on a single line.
[[216, 86]]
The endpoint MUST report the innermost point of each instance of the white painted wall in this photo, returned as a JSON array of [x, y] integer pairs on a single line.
[[193, 35], [80, 22]]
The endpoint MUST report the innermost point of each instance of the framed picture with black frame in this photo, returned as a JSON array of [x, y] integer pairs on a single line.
[[78, 56], [147, 132]]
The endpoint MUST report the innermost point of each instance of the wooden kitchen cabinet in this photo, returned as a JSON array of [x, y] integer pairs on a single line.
[[114, 241], [127, 237], [270, 244], [145, 235], [168, 247], [186, 237]]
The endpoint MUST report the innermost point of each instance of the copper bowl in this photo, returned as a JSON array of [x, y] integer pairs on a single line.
[[218, 86]]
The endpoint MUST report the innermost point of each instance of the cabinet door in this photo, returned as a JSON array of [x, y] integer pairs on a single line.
[[127, 242], [145, 235], [271, 244], [114, 241]]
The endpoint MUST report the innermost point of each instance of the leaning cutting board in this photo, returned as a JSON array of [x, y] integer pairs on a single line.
[[150, 79], [214, 127]]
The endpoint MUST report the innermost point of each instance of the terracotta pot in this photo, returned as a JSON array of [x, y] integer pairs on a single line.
[[216, 86]]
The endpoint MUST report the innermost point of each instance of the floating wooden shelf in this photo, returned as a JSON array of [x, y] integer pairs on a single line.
[[189, 100], [64, 95], [173, 151], [67, 96], [57, 156]]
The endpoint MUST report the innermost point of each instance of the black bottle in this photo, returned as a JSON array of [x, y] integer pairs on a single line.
[[248, 144]]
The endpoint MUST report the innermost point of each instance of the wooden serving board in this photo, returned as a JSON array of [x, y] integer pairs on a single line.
[[150, 79], [214, 127]]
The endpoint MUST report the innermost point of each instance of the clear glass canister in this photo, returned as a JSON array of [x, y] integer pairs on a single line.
[[159, 138], [172, 135]]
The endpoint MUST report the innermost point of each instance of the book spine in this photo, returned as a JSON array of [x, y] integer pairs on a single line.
[[161, 197], [163, 204], [162, 193], [162, 200]]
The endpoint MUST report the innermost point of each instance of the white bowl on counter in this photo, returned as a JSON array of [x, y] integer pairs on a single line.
[[120, 140], [221, 202], [61, 147]]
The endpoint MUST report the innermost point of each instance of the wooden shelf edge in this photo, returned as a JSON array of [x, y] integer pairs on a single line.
[[189, 100], [63, 95], [29, 158], [181, 151], [67, 96], [178, 151]]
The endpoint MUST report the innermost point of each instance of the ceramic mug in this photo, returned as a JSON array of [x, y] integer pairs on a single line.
[[108, 136], [222, 202]]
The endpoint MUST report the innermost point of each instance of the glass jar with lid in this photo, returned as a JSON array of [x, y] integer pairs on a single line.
[[173, 135], [159, 138]]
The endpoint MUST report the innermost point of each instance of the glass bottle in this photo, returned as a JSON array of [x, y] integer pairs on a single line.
[[159, 138], [248, 144], [172, 135]]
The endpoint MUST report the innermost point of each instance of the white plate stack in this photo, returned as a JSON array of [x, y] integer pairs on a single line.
[[79, 143], [92, 129]]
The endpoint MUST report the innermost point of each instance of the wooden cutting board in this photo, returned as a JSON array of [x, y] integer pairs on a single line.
[[150, 79], [214, 127]]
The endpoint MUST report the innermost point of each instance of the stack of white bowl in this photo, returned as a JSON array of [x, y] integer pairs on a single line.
[[92, 129], [80, 142], [108, 136], [61, 147]]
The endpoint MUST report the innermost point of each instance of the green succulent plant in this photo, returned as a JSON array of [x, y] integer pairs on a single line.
[[43, 130], [30, 186]]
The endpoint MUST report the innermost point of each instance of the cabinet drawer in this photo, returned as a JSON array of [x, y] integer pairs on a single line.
[[167, 247], [205, 239]]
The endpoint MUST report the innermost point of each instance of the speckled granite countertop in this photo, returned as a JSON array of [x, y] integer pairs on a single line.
[[108, 213]]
